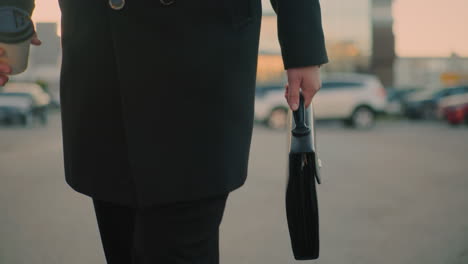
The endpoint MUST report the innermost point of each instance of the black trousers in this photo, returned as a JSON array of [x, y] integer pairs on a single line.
[[181, 233]]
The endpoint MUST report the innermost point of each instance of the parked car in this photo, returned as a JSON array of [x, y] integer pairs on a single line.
[[41, 99], [16, 108], [454, 108], [273, 113], [355, 99], [396, 100], [456, 115], [424, 104]]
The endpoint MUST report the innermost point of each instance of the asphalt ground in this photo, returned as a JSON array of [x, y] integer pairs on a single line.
[[396, 194]]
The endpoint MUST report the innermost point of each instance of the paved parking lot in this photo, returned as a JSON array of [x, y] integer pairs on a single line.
[[396, 194]]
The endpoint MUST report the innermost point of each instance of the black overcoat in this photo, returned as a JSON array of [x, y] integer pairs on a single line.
[[158, 100]]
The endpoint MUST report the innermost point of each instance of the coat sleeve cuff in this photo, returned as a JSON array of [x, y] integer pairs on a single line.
[[310, 56], [300, 33]]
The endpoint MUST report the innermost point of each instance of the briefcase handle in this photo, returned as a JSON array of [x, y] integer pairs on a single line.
[[301, 128]]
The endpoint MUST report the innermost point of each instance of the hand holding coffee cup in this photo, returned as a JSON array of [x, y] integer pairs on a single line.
[[16, 35]]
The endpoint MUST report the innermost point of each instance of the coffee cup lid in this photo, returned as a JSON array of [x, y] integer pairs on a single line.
[[15, 25]]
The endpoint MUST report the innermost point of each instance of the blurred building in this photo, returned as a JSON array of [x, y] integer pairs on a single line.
[[427, 72], [49, 52], [347, 27], [347, 56], [270, 63], [383, 41]]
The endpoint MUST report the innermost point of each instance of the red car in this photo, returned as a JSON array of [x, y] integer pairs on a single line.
[[456, 115]]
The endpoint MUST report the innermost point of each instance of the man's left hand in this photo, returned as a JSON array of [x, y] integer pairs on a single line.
[[305, 79]]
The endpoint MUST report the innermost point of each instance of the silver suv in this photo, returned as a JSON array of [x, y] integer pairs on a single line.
[[355, 99]]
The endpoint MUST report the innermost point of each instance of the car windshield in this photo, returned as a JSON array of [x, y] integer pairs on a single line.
[[429, 93], [340, 84]]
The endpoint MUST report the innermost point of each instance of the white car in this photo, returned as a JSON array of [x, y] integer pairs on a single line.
[[355, 99], [40, 98]]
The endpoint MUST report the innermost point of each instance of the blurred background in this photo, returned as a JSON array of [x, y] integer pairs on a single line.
[[392, 134]]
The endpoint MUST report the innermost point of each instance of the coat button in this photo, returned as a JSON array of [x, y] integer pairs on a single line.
[[117, 4], [167, 2]]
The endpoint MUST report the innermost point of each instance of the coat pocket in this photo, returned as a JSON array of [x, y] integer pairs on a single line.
[[240, 12]]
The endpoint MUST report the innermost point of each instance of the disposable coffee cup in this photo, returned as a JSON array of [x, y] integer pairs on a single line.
[[16, 31]]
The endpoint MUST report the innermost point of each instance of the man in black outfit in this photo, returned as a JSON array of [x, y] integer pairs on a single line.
[[157, 101]]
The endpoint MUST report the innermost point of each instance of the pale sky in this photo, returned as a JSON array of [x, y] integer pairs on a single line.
[[422, 27], [431, 27]]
